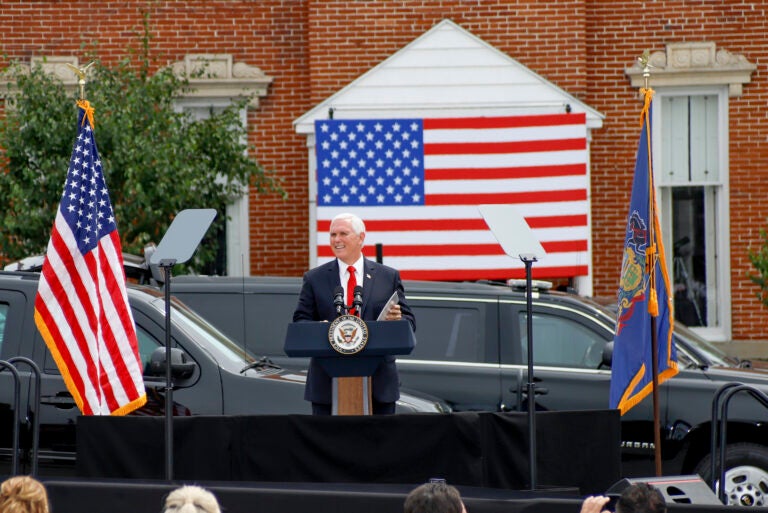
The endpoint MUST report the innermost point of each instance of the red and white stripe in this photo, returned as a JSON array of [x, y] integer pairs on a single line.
[[536, 163], [82, 311]]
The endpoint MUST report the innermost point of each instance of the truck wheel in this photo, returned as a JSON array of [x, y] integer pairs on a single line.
[[746, 477]]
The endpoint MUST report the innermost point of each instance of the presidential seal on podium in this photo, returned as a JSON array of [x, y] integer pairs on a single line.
[[348, 334]]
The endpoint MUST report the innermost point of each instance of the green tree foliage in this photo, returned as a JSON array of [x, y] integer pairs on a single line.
[[759, 261], [157, 160]]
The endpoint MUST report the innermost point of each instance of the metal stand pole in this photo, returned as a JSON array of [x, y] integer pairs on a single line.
[[16, 417], [528, 261], [166, 265], [35, 411]]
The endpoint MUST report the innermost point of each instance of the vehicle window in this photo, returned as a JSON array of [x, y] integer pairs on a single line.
[[703, 350], [258, 320], [147, 345], [3, 315], [222, 347], [561, 342], [686, 360], [268, 323], [449, 333]]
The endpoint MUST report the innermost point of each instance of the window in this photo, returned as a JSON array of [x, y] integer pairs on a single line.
[[216, 79], [3, 315], [691, 172], [147, 345], [693, 83], [259, 320], [455, 334], [561, 342], [232, 259]]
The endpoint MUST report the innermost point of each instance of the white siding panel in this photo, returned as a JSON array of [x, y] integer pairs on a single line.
[[450, 71], [454, 57], [439, 76], [448, 95]]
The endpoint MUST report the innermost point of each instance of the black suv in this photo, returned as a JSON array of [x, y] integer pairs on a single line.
[[212, 374], [471, 351]]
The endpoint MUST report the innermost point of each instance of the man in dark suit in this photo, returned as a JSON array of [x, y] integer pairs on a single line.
[[316, 303]]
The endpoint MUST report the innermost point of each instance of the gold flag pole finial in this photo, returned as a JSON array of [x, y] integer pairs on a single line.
[[81, 72], [643, 60], [646, 92]]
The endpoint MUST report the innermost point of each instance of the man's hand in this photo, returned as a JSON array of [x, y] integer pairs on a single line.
[[594, 504], [394, 314]]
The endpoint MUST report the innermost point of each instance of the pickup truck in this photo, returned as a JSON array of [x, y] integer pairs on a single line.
[[212, 375]]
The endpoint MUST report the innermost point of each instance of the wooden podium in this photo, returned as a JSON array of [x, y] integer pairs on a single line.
[[351, 373]]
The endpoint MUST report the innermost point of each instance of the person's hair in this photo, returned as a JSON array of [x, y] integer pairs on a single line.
[[358, 226], [191, 499], [641, 498], [434, 498], [23, 494]]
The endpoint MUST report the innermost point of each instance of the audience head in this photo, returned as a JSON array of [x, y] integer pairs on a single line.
[[434, 498], [641, 498], [191, 499], [23, 494]]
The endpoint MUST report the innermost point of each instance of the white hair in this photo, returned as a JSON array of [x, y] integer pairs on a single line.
[[191, 499], [357, 224]]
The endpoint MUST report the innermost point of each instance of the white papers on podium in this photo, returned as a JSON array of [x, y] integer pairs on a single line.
[[392, 301]]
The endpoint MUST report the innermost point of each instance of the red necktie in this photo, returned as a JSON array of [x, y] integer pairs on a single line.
[[351, 284]]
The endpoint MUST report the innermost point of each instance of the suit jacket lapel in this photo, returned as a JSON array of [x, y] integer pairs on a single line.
[[332, 276], [368, 284]]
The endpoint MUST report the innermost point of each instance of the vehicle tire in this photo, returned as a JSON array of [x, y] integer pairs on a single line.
[[746, 476]]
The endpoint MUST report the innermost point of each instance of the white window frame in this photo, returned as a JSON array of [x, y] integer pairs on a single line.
[[722, 299], [237, 228]]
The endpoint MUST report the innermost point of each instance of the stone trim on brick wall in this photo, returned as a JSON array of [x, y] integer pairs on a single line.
[[687, 64], [54, 65], [217, 76], [210, 75]]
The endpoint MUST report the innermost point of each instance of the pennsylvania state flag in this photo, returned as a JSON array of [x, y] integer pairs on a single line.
[[644, 289]]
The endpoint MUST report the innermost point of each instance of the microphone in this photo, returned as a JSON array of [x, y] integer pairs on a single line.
[[357, 299], [338, 299]]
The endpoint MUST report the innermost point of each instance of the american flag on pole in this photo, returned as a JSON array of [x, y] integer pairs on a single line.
[[417, 184], [81, 308]]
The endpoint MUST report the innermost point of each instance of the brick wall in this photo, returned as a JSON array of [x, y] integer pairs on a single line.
[[313, 48], [269, 34], [617, 33]]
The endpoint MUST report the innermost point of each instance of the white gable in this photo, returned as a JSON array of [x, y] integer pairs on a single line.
[[447, 72]]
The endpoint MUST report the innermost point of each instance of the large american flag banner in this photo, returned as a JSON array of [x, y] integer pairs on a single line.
[[417, 184], [81, 308]]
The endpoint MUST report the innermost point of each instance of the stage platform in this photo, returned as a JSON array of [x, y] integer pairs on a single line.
[[577, 450], [301, 463]]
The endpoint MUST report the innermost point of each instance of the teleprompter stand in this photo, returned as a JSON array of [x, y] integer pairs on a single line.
[[178, 245], [350, 396], [518, 241]]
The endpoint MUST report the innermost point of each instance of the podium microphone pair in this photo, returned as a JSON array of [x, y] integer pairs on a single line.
[[338, 299]]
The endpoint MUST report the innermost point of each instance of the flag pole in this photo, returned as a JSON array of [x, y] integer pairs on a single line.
[[84, 254], [651, 268], [80, 72]]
